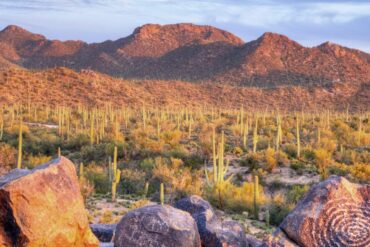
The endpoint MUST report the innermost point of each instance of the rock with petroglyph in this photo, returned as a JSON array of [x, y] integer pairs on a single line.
[[157, 225], [334, 212]]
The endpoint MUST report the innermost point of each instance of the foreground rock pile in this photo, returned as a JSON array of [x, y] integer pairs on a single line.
[[44, 207], [212, 230]]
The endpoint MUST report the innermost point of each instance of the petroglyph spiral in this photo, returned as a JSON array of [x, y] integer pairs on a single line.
[[342, 223]]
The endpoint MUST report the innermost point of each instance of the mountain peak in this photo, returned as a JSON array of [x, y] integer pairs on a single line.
[[187, 32], [270, 37], [16, 34], [154, 40]]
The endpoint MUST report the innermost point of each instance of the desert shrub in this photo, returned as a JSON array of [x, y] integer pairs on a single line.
[[132, 181], [308, 154], [338, 169], [279, 209], [140, 203], [328, 144], [107, 217], [7, 158], [33, 161], [178, 179], [263, 143], [147, 164], [298, 166], [172, 138], [194, 161], [98, 176], [235, 198], [77, 142], [361, 172], [251, 161], [270, 159], [296, 193], [322, 161], [86, 188], [238, 151], [281, 158], [291, 150], [99, 152]]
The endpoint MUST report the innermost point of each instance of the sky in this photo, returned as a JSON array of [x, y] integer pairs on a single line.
[[309, 22]]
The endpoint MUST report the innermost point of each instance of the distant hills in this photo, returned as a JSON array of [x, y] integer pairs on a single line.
[[194, 53], [183, 65]]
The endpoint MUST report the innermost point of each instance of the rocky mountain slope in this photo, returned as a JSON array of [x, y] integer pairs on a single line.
[[63, 86], [193, 53]]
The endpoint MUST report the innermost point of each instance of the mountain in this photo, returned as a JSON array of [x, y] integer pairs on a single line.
[[192, 53]]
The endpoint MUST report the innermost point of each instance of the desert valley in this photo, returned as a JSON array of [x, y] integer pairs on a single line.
[[183, 135]]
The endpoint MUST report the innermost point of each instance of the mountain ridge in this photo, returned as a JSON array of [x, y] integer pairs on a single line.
[[193, 53]]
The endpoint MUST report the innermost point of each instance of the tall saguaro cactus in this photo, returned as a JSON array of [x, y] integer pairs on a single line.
[[255, 197], [161, 194], [255, 135], [219, 168], [298, 138], [116, 175], [20, 143], [81, 172]]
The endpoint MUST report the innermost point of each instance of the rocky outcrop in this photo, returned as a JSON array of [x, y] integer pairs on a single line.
[[213, 232], [104, 232], [334, 212], [44, 207], [157, 226]]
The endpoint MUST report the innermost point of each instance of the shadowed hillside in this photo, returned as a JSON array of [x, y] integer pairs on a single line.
[[62, 86]]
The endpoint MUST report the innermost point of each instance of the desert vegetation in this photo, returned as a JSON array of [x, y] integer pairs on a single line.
[[253, 165]]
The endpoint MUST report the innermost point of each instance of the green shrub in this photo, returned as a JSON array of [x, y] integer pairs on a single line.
[[296, 193]]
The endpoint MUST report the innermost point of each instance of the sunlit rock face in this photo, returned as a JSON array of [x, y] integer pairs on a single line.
[[43, 207], [157, 226]]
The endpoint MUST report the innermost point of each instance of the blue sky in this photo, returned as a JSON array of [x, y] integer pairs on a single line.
[[310, 22]]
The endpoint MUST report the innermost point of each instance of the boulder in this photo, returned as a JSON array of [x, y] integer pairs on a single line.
[[44, 207], [334, 212], [104, 232], [157, 225], [213, 232]]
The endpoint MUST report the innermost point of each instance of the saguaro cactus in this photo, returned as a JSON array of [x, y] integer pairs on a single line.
[[81, 172], [146, 189], [116, 175], [255, 197], [219, 168], [298, 138], [255, 136], [161, 194], [20, 142]]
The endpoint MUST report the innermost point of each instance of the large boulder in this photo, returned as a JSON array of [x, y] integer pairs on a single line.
[[157, 225], [213, 232], [44, 207], [334, 212], [104, 232]]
